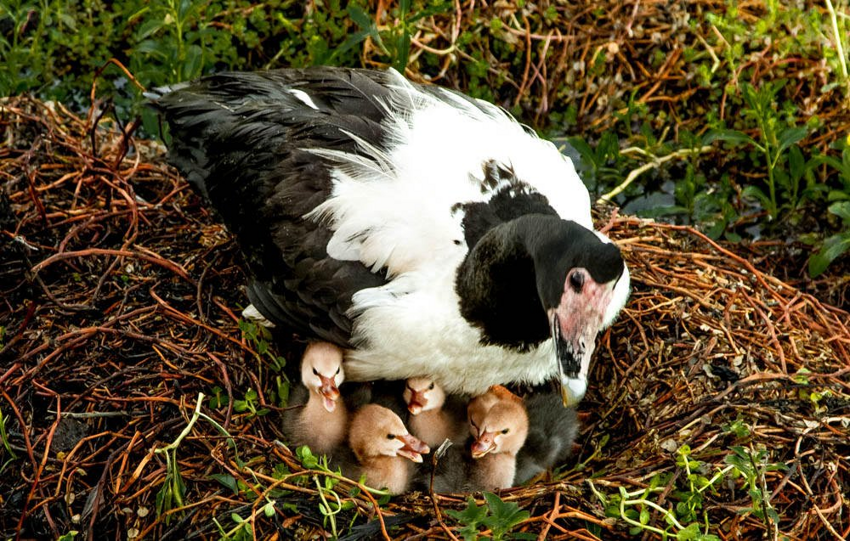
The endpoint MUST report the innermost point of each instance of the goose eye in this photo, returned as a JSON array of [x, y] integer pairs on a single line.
[[337, 370], [430, 387], [505, 431], [390, 436], [315, 372]]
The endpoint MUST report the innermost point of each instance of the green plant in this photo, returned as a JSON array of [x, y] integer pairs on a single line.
[[775, 139], [4, 437], [835, 245], [171, 495], [174, 40], [242, 531], [260, 339], [751, 465], [330, 504], [250, 404], [688, 519], [498, 516]]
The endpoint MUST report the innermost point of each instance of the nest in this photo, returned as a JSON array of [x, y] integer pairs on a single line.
[[121, 296]]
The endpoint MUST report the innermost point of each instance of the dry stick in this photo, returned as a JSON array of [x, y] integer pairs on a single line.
[[556, 506], [527, 61], [171, 311], [433, 497], [812, 495], [773, 337], [39, 469], [170, 265]]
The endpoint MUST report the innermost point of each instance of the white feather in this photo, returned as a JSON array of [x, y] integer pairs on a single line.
[[304, 98]]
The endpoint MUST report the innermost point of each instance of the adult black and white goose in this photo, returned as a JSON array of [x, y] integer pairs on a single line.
[[425, 232]]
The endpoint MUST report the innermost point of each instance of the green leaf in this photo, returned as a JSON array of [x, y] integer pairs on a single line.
[[832, 248], [192, 66], [227, 480], [402, 51], [728, 136], [790, 136], [755, 192], [154, 48], [360, 17], [838, 195], [842, 210], [473, 514], [352, 41], [149, 28], [796, 163], [505, 515]]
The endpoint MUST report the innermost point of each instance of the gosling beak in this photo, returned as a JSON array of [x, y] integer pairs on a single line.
[[413, 448], [329, 393], [417, 403], [484, 444]]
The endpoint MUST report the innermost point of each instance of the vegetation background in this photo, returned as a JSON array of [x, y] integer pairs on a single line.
[[730, 115]]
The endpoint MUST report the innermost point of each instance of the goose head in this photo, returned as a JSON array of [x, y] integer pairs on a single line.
[[377, 432], [498, 421], [539, 277], [423, 394], [322, 373]]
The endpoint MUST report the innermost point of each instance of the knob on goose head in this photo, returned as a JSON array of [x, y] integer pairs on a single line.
[[322, 373]]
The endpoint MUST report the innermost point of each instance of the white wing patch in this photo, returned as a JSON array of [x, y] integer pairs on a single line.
[[392, 209], [304, 98]]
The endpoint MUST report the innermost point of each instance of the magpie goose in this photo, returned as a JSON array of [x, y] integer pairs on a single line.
[[423, 231]]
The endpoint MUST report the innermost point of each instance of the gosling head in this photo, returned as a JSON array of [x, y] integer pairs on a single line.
[[423, 394], [321, 372], [498, 421], [378, 432]]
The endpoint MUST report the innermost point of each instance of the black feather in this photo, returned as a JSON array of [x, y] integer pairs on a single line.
[[242, 140]]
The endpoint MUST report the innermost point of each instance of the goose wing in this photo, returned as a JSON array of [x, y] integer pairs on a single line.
[[244, 141]]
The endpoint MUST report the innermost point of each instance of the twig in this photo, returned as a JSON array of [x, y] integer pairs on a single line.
[[656, 162]]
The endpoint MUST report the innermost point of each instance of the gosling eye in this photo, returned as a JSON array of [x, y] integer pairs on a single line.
[[315, 372], [430, 387], [505, 431], [390, 436]]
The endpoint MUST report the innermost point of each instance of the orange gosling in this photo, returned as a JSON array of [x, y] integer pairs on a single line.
[[499, 423], [429, 420], [384, 448]]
